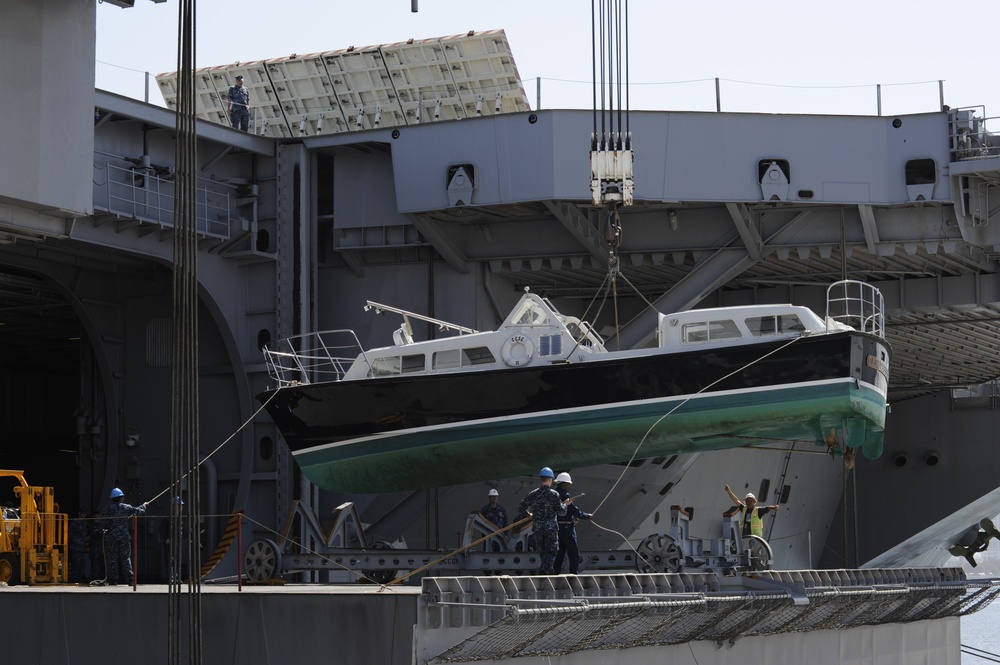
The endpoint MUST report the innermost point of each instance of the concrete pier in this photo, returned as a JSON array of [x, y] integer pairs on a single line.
[[261, 624]]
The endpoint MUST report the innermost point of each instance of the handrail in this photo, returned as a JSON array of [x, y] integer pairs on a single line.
[[969, 137], [856, 304], [141, 194], [311, 357], [442, 325]]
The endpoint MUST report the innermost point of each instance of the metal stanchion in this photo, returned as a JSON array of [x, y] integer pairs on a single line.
[[239, 551], [135, 552]]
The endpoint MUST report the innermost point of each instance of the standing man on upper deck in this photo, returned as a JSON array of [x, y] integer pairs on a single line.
[[239, 105]]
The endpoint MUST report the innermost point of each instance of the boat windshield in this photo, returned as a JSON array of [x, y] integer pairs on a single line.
[[530, 313]]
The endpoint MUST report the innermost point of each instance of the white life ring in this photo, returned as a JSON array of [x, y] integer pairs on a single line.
[[517, 351]]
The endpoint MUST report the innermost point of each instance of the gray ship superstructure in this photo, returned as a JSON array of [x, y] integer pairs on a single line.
[[454, 218]]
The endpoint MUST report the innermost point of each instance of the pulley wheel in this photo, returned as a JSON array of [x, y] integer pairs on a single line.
[[758, 553], [659, 553], [262, 560]]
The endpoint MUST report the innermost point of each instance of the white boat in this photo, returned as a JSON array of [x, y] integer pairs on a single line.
[[543, 389]]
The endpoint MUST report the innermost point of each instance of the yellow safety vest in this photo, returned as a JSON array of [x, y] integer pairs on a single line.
[[756, 523]]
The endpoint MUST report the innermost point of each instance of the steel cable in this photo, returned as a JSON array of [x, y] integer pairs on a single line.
[[184, 430]]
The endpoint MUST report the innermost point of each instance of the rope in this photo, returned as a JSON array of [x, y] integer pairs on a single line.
[[307, 550], [360, 573], [401, 578], [174, 486], [635, 453], [459, 550], [981, 653]]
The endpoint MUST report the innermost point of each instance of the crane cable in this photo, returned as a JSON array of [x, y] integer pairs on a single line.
[[610, 71], [611, 124], [185, 627]]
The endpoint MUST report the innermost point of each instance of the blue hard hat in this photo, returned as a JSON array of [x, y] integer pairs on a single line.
[[115, 493], [177, 501], [546, 472]]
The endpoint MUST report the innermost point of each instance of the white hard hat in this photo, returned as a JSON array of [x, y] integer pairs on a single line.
[[564, 478], [493, 493], [749, 496]]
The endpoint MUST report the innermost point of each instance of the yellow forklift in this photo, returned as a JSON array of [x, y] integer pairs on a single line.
[[33, 537]]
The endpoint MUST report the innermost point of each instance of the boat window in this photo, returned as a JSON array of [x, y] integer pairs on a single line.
[[455, 358], [762, 326], [530, 314], [479, 355], [385, 366], [392, 365], [450, 359], [710, 331], [413, 363], [582, 333]]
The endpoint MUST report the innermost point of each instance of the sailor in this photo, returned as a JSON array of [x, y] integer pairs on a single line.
[[239, 105], [117, 540], [544, 506], [567, 527], [493, 511], [750, 513]]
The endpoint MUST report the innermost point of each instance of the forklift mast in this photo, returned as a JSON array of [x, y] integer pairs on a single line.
[[34, 537]]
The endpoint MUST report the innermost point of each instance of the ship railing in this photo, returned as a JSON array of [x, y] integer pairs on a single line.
[[313, 357], [856, 304], [970, 137], [140, 194]]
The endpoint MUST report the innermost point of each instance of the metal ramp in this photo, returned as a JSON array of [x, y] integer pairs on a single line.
[[492, 618], [389, 85]]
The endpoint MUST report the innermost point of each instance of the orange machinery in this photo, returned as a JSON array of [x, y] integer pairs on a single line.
[[33, 537]]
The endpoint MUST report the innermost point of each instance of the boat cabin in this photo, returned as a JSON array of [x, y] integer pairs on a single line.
[[724, 326], [536, 333]]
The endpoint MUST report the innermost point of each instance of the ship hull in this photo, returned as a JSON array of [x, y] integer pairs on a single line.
[[418, 431]]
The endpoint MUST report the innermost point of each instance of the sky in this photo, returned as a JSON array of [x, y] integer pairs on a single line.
[[783, 56]]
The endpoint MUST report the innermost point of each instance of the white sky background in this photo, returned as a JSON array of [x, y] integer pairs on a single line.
[[782, 56]]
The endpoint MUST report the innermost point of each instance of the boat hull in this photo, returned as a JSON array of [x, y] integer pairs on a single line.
[[411, 432]]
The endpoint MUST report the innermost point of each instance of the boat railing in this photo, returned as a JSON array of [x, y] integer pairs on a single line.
[[312, 358], [856, 304]]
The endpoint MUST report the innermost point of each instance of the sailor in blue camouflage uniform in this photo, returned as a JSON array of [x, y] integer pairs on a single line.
[[493, 511], [118, 537], [567, 527], [544, 505], [239, 105]]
